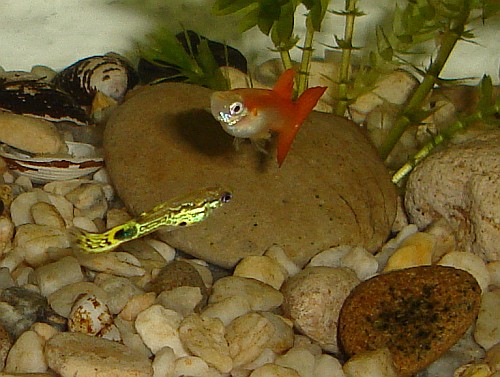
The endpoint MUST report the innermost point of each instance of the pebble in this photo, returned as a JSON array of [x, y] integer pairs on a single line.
[[184, 300], [119, 290], [262, 268], [62, 300], [6, 234], [416, 250], [117, 263], [376, 363], [56, 275], [418, 313], [204, 337], [227, 309], [278, 254], [46, 214], [159, 327], [164, 362], [190, 366], [260, 296], [26, 355], [313, 298], [137, 304], [487, 331], [273, 370], [298, 359], [5, 345], [469, 262], [75, 354]]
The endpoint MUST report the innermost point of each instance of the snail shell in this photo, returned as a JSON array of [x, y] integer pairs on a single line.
[[110, 75]]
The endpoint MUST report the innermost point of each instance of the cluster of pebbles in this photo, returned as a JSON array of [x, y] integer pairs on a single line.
[[146, 309]]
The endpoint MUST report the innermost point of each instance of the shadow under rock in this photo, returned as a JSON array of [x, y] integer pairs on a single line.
[[200, 130]]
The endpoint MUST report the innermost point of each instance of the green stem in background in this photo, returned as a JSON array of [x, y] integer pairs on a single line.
[[286, 59], [350, 7], [448, 41], [306, 57], [446, 134]]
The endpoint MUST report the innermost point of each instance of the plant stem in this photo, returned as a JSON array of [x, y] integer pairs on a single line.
[[350, 6], [286, 59], [448, 41], [446, 134], [306, 57]]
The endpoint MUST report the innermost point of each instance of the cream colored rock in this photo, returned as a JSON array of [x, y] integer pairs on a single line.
[[298, 359], [137, 304], [183, 299], [371, 364], [20, 208], [313, 299], [391, 246], [190, 366], [74, 354], [24, 182], [30, 134], [327, 366], [459, 183], [227, 309], [117, 263], [56, 275], [47, 214], [158, 328], [44, 330], [91, 316], [416, 250], [62, 188], [6, 234], [493, 357], [165, 250], [36, 240], [131, 338], [260, 296], [278, 254], [487, 330], [273, 370], [164, 363], [494, 271], [203, 270], [473, 370], [119, 290], [471, 263], [62, 300], [354, 204], [204, 337], [262, 268], [86, 224], [26, 355], [85, 196], [117, 216]]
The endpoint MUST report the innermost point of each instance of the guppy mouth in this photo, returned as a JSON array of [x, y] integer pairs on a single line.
[[227, 119]]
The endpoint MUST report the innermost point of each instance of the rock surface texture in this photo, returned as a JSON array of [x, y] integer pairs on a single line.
[[460, 184], [332, 189]]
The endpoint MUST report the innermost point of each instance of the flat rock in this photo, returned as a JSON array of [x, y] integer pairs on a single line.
[[417, 313], [332, 189]]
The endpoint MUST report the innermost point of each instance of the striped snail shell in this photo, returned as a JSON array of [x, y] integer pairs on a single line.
[[108, 74]]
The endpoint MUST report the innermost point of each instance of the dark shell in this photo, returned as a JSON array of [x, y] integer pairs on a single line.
[[40, 100], [111, 75], [224, 56]]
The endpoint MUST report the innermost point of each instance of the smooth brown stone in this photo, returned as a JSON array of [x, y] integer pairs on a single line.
[[417, 313], [332, 189]]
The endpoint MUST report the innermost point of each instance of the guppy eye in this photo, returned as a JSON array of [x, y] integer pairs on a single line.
[[226, 197], [236, 108]]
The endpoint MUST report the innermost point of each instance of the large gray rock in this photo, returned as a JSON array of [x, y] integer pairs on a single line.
[[460, 183], [332, 188]]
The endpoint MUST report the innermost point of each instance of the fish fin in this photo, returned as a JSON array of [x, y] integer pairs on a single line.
[[284, 85], [303, 107]]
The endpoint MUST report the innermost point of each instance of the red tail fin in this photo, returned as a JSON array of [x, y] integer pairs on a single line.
[[284, 85], [303, 107]]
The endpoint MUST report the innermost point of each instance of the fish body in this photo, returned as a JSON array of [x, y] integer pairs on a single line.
[[178, 212], [256, 113]]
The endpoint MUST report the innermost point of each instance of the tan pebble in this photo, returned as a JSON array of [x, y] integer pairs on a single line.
[[444, 237], [164, 363], [6, 233], [473, 370], [165, 250], [371, 364], [278, 254], [62, 300], [5, 345], [469, 262], [313, 298], [190, 366], [56, 275], [130, 338], [63, 207], [137, 304], [117, 216], [85, 196], [417, 313], [262, 268], [267, 356], [30, 134], [86, 224], [273, 370], [327, 366], [361, 262], [227, 309], [44, 330], [184, 300], [62, 188], [204, 337], [414, 251], [260, 296], [119, 290], [26, 355], [494, 271], [20, 209], [46, 214], [487, 330], [158, 328], [117, 263], [75, 354], [298, 359], [203, 270], [493, 357], [24, 182]]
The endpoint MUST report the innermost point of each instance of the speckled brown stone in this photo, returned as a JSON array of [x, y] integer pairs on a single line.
[[332, 188], [417, 313]]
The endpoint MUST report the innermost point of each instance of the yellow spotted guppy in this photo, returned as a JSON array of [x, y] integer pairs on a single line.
[[178, 212]]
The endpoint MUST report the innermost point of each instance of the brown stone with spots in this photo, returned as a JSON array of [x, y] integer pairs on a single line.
[[417, 313]]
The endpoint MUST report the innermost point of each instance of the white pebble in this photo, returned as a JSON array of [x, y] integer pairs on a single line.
[[116, 263], [24, 182], [102, 176], [273, 370], [471, 263], [6, 233], [26, 355], [63, 206], [494, 271], [227, 309], [56, 275], [118, 289], [158, 328], [487, 331], [164, 363], [361, 262], [190, 366], [13, 259], [86, 196], [298, 359], [20, 207], [182, 299], [62, 300], [63, 187], [46, 214], [327, 366], [86, 224], [330, 257], [165, 250], [278, 254], [137, 304], [370, 364], [262, 268]]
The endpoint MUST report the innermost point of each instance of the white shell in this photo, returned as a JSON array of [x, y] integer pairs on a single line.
[[81, 160], [90, 315]]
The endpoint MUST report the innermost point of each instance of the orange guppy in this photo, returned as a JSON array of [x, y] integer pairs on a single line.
[[255, 113]]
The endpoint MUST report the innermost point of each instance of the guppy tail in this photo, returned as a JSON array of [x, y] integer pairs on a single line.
[[102, 242]]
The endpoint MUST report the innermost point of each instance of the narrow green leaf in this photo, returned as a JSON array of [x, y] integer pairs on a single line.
[[223, 7], [383, 45]]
